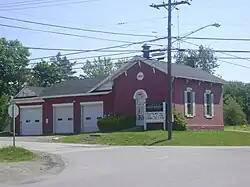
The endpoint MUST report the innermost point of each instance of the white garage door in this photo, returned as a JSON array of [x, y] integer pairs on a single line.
[[31, 120], [91, 112], [63, 119]]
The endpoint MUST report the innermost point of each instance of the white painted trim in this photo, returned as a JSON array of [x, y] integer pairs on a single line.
[[41, 99], [21, 91], [140, 90], [120, 71], [31, 106], [82, 94], [22, 101], [92, 103], [63, 104]]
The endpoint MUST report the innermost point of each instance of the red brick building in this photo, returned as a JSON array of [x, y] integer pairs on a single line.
[[74, 106]]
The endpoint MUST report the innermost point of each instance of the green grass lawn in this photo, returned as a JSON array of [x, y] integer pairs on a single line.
[[147, 138], [18, 154], [238, 127]]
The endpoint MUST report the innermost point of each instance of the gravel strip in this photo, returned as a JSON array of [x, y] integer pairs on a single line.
[[45, 166]]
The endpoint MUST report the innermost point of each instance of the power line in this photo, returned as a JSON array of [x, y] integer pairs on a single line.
[[82, 63], [52, 5], [222, 39], [25, 3], [75, 28], [222, 52], [223, 60], [77, 50], [103, 48], [96, 56], [62, 33]]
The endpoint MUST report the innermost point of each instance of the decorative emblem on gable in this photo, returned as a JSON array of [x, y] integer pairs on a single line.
[[140, 76]]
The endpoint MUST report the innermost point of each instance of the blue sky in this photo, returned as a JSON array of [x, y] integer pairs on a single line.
[[105, 14]]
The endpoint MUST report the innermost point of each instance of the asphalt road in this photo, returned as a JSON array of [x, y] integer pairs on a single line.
[[147, 166]]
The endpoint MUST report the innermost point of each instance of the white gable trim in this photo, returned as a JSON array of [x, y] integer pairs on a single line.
[[28, 100], [120, 71], [130, 63]]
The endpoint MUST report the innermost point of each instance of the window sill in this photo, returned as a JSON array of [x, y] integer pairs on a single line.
[[190, 116], [208, 117]]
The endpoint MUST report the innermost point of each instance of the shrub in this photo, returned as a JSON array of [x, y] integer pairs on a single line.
[[116, 123], [179, 124], [233, 113]]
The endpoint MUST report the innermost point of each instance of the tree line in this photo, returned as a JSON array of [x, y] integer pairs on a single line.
[[17, 71]]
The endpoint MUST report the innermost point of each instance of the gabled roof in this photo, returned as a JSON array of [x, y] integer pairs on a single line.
[[178, 70], [30, 91], [82, 86], [75, 86], [182, 71]]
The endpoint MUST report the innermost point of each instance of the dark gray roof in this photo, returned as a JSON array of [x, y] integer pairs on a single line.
[[37, 90], [183, 71], [75, 86]]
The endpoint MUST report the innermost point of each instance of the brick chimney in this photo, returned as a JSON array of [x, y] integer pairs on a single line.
[[146, 51]]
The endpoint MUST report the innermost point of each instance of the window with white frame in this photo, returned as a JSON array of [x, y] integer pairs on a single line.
[[189, 99], [208, 104]]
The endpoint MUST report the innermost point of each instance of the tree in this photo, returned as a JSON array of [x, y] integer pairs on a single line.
[[4, 118], [45, 74], [48, 73], [13, 63], [233, 113], [98, 67], [240, 92], [64, 65], [203, 59]]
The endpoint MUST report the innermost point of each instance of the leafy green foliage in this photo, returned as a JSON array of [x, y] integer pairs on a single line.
[[233, 113], [116, 123], [13, 63], [56, 70], [240, 92], [98, 67], [4, 118], [179, 124], [203, 59]]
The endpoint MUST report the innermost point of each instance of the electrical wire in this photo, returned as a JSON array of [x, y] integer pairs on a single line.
[[25, 3], [103, 48], [76, 28], [52, 5], [63, 33], [220, 52], [222, 39], [82, 63], [96, 56], [223, 60], [77, 50]]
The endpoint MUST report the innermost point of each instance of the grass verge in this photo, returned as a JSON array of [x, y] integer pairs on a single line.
[[238, 128], [17, 154], [158, 138]]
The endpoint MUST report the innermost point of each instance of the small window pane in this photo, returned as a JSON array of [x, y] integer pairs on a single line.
[[190, 109], [189, 97], [208, 99]]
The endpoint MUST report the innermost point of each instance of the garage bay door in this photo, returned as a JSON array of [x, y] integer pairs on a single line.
[[63, 118], [31, 120], [91, 112]]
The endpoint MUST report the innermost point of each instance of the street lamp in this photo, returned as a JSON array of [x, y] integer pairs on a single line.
[[217, 25]]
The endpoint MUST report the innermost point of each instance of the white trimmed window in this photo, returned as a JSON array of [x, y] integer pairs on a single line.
[[208, 104], [189, 99]]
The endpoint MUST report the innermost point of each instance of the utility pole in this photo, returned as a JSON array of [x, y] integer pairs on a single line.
[[169, 7]]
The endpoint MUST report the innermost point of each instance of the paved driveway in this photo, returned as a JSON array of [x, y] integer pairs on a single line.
[[148, 166]]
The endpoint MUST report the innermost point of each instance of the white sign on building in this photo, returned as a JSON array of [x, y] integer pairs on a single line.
[[155, 113]]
